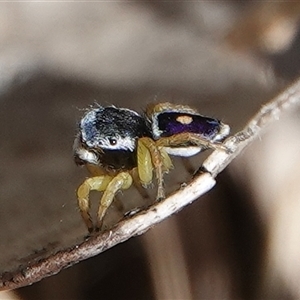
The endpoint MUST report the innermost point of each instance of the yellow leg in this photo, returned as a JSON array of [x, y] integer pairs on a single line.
[[167, 162], [187, 138], [146, 147], [120, 182], [98, 183], [137, 183]]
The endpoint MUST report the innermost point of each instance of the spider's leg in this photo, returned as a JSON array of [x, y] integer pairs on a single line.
[[137, 183], [121, 181], [188, 138], [167, 162], [149, 156], [98, 183]]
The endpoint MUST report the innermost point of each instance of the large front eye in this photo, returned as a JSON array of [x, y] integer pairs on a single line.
[[112, 141]]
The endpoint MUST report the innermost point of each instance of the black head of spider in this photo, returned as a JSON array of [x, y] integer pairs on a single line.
[[108, 133]]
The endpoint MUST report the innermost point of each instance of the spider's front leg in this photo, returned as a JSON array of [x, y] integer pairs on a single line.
[[121, 181], [107, 184], [149, 156], [97, 183]]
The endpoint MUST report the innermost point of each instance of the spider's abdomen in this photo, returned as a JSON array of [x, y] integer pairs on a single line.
[[167, 119], [171, 123], [182, 131]]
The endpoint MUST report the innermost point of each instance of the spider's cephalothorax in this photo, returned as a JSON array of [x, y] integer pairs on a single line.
[[120, 146], [182, 131], [108, 136], [116, 146]]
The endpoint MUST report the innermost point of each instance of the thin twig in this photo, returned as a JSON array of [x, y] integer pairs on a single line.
[[144, 220]]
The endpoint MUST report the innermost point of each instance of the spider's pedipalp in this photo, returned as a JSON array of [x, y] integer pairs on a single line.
[[144, 163], [157, 163]]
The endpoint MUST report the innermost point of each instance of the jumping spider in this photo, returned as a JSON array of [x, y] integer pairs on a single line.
[[120, 146]]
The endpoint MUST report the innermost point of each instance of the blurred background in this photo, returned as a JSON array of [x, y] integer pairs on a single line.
[[225, 58]]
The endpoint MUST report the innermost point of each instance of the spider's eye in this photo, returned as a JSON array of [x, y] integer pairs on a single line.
[[112, 141]]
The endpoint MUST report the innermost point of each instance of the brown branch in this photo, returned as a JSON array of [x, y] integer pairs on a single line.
[[144, 220]]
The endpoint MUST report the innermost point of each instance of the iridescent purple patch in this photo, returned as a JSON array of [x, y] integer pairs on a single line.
[[171, 123]]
